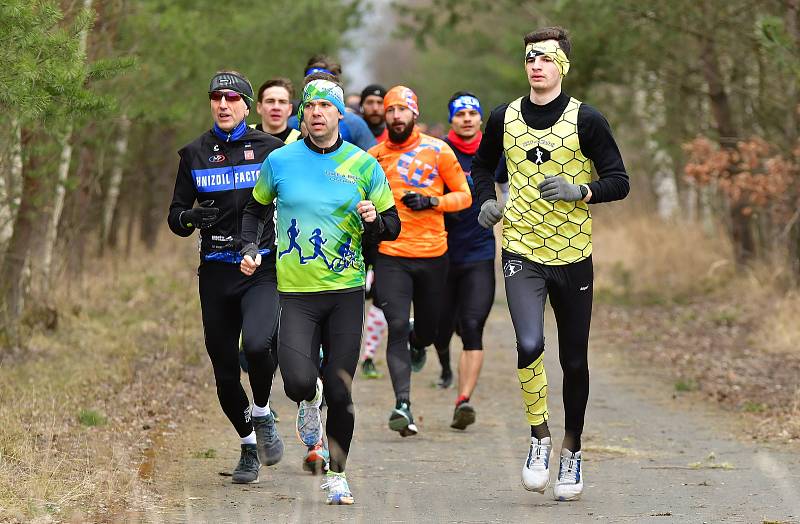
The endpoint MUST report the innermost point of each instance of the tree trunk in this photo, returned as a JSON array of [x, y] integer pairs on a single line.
[[23, 237], [115, 181], [11, 186], [741, 232]]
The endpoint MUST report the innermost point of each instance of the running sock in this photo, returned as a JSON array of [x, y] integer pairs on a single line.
[[541, 431], [533, 383], [461, 399], [249, 439], [572, 441], [258, 411], [375, 328]]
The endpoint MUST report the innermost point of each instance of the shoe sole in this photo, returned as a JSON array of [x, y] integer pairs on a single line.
[[402, 425], [346, 501], [540, 491], [463, 418], [240, 481], [567, 499]]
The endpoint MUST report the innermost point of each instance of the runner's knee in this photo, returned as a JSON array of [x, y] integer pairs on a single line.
[[299, 386], [528, 350], [472, 333]]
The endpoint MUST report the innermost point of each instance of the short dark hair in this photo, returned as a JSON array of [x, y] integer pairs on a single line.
[[459, 94], [324, 62], [276, 82], [551, 33], [320, 76]]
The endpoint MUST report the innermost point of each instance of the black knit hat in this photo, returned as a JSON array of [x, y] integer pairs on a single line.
[[233, 82], [373, 89]]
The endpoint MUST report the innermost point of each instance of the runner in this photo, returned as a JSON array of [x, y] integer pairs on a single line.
[[275, 107], [219, 170], [469, 293], [413, 268], [335, 190], [372, 111], [551, 141], [352, 128]]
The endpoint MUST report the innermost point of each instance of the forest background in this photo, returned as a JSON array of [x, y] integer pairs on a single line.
[[697, 269]]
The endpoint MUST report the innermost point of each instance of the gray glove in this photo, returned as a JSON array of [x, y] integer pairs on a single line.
[[557, 188], [491, 213]]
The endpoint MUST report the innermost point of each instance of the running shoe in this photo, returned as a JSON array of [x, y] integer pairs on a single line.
[[418, 355], [246, 471], [338, 490], [536, 470], [463, 416], [309, 419], [368, 369], [270, 445], [317, 458], [402, 421], [445, 380], [569, 484]]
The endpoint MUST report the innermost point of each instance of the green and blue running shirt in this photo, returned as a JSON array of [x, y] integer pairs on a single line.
[[319, 230]]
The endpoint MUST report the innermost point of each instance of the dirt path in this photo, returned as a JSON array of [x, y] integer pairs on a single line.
[[649, 457]]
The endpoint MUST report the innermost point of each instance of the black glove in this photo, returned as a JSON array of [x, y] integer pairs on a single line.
[[416, 201], [202, 216], [250, 250]]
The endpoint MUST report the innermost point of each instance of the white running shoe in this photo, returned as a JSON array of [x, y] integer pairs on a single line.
[[338, 491], [569, 485], [309, 419], [536, 470]]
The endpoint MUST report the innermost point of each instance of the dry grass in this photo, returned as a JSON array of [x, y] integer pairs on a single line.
[[83, 402]]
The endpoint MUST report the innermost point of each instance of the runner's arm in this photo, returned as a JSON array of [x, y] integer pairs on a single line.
[[459, 197], [598, 144], [488, 156], [255, 211], [183, 198]]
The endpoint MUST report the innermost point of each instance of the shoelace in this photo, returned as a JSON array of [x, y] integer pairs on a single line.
[[538, 455], [571, 472], [246, 461], [336, 484]]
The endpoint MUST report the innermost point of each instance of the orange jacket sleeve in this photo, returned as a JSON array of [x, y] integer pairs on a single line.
[[450, 170]]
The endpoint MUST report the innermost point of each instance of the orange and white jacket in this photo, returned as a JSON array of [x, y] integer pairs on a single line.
[[425, 165]]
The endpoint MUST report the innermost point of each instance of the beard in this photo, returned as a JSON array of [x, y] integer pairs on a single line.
[[398, 137]]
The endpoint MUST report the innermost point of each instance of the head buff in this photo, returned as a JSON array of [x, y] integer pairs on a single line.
[[321, 90], [551, 49], [464, 102], [312, 70], [401, 96], [233, 82]]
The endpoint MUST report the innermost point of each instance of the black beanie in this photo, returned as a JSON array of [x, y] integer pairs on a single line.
[[233, 82], [373, 89]]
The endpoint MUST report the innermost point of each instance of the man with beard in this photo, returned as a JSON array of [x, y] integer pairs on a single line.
[[372, 111], [413, 268]]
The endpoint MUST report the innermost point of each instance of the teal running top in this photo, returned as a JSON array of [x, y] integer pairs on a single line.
[[319, 230]]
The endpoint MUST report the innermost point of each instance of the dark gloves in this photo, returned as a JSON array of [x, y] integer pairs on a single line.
[[201, 217], [250, 250], [417, 202], [557, 188]]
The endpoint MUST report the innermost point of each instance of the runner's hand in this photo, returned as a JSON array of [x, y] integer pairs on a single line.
[[491, 213], [557, 188], [251, 259], [202, 216], [367, 211], [416, 201]]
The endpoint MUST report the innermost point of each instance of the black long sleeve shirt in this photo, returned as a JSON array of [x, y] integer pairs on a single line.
[[594, 134]]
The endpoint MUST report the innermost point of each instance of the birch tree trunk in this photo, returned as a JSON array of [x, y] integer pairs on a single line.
[[115, 181], [46, 268], [11, 186]]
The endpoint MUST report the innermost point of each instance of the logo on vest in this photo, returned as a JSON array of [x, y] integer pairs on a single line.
[[216, 159], [538, 155]]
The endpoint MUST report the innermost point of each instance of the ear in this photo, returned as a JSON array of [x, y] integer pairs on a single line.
[[341, 116]]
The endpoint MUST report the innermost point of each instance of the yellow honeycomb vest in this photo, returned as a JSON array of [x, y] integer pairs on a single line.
[[551, 233]]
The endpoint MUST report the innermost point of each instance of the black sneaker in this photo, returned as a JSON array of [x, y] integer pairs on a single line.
[[270, 445], [417, 354], [402, 421], [446, 380], [246, 471], [463, 416]]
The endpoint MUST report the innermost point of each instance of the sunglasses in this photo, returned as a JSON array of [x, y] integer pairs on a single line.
[[230, 96]]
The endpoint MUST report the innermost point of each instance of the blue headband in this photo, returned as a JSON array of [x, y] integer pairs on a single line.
[[464, 102], [312, 70]]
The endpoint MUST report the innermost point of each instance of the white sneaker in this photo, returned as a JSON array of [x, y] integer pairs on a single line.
[[309, 419], [536, 470], [569, 485], [338, 491]]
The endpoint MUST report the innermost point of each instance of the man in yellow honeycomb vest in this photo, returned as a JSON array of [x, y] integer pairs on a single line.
[[550, 141]]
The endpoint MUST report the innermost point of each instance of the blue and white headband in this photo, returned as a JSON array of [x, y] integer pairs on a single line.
[[464, 102], [321, 90]]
